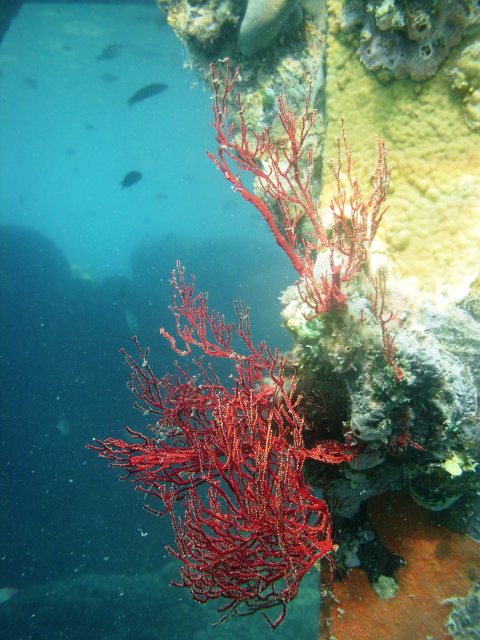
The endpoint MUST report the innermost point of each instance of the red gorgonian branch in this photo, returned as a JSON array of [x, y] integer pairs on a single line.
[[231, 457], [329, 254], [384, 317]]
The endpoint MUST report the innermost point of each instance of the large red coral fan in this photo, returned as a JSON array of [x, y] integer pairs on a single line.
[[249, 527]]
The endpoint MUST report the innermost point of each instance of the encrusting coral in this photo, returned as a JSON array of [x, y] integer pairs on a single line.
[[401, 38], [465, 79], [432, 236], [441, 568], [264, 20]]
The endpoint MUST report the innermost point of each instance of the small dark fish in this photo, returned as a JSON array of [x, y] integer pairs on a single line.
[[30, 82], [148, 91], [108, 78], [111, 52], [89, 126], [131, 178], [70, 151]]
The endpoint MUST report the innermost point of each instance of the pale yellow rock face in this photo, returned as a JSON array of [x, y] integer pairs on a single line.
[[432, 228]]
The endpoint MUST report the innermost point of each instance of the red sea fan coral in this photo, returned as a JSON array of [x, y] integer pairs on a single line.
[[225, 460], [231, 457], [283, 171]]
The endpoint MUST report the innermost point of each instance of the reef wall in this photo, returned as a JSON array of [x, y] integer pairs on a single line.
[[432, 229], [361, 58]]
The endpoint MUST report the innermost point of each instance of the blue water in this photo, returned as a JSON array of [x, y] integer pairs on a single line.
[[84, 264], [68, 137]]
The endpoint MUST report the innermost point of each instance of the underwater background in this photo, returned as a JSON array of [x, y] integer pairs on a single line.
[[85, 264], [105, 120]]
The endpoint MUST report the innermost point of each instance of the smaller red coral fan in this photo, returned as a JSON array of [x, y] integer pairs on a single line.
[[250, 527], [283, 172]]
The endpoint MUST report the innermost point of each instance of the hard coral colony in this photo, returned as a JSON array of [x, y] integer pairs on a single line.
[[235, 457]]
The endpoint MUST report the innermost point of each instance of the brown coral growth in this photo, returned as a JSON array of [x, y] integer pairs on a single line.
[[440, 564]]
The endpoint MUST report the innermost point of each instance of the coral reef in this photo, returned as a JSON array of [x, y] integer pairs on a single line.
[[400, 388], [213, 24], [205, 25], [403, 386], [401, 39], [217, 29], [420, 432], [465, 79], [432, 234], [264, 20], [439, 565], [464, 621]]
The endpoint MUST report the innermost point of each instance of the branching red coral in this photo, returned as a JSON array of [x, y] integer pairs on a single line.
[[327, 256], [232, 456], [384, 318], [225, 461]]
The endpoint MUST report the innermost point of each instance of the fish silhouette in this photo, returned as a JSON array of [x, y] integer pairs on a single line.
[[131, 178], [111, 52], [108, 78], [30, 82], [148, 91]]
